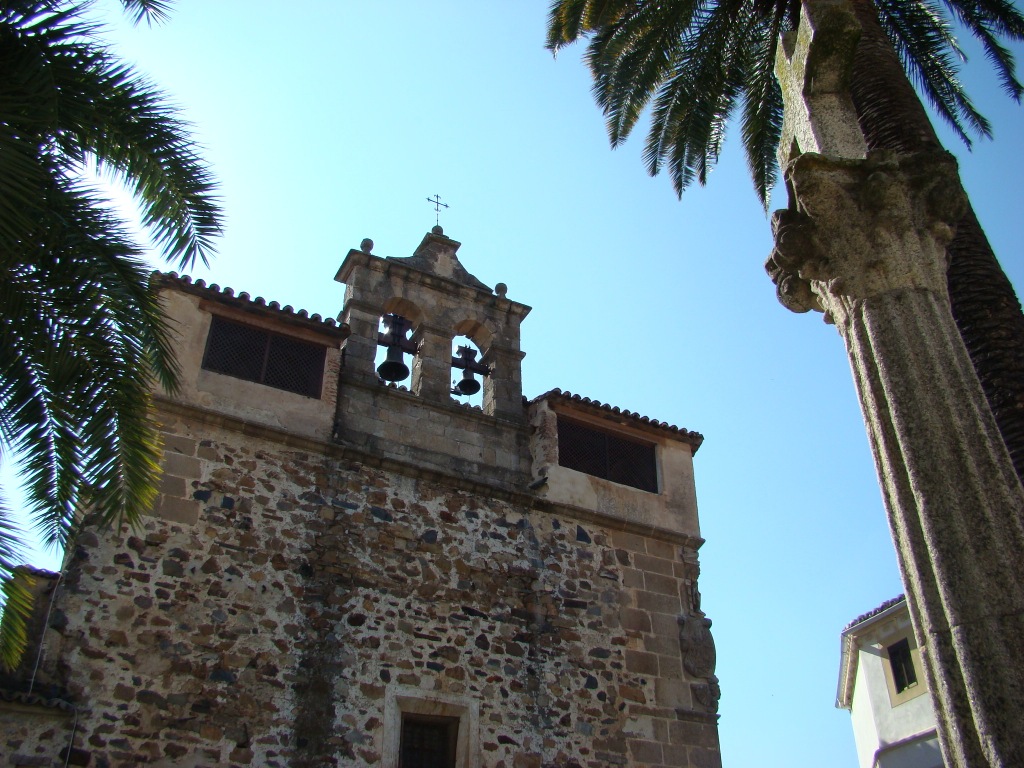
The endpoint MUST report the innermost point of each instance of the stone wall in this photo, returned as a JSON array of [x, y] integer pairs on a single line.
[[421, 422], [190, 307], [316, 582], [315, 567]]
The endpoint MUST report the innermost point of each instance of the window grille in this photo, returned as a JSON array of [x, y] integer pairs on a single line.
[[254, 354], [428, 742], [902, 665], [607, 456]]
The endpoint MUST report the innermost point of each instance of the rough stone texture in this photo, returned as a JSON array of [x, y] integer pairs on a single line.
[[275, 625], [864, 241], [434, 292], [813, 68], [190, 309], [673, 509], [289, 594]]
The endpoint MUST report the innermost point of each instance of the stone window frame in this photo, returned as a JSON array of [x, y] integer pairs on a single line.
[[402, 699], [919, 687]]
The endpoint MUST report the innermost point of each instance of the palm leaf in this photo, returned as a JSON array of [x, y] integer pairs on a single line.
[[79, 362], [83, 341], [762, 110], [924, 42], [988, 20], [569, 20], [109, 113], [633, 58], [689, 63], [15, 593], [690, 112], [150, 11], [17, 610]]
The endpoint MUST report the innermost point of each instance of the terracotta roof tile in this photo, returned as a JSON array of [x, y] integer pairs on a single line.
[[228, 295], [875, 611], [34, 699], [31, 570], [693, 438]]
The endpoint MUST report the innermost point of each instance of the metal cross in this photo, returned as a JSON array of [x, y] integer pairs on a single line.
[[438, 205]]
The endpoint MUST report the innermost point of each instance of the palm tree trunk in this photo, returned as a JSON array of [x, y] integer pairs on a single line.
[[989, 318], [985, 306]]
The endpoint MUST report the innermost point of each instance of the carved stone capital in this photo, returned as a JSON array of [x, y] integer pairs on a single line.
[[861, 228]]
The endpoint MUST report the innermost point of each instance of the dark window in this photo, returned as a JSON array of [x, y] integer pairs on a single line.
[[428, 742], [254, 354], [608, 456], [902, 665]]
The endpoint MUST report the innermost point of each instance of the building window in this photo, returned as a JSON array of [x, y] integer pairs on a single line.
[[902, 665], [254, 354], [429, 729], [428, 742], [608, 456]]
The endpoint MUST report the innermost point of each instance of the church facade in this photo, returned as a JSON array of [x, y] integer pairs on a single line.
[[342, 571]]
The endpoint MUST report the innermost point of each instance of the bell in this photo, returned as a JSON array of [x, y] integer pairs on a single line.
[[394, 367], [468, 385]]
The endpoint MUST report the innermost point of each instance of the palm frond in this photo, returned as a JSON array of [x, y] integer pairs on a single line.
[[83, 340], [150, 11], [569, 20], [762, 110], [681, 62], [988, 20], [632, 59], [690, 113], [17, 610], [94, 106], [15, 594], [924, 42], [79, 349]]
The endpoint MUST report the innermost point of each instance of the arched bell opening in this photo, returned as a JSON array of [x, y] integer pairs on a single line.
[[395, 347], [470, 377]]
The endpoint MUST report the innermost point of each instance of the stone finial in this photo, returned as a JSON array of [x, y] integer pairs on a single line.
[[366, 246], [437, 229], [501, 289], [436, 255], [814, 65]]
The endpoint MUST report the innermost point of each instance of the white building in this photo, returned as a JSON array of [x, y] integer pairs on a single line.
[[882, 683]]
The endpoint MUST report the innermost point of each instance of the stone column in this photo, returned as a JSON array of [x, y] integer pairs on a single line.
[[866, 244], [432, 366], [864, 241], [360, 348], [503, 389]]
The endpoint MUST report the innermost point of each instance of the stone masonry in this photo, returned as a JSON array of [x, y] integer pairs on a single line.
[[864, 241], [317, 570]]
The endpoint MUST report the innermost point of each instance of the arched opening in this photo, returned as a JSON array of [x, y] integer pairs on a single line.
[[395, 348], [470, 377], [468, 373]]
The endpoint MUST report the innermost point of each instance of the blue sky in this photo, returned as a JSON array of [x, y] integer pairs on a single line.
[[334, 121]]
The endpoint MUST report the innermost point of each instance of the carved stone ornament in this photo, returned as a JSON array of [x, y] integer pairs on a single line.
[[707, 694], [697, 646], [861, 228]]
